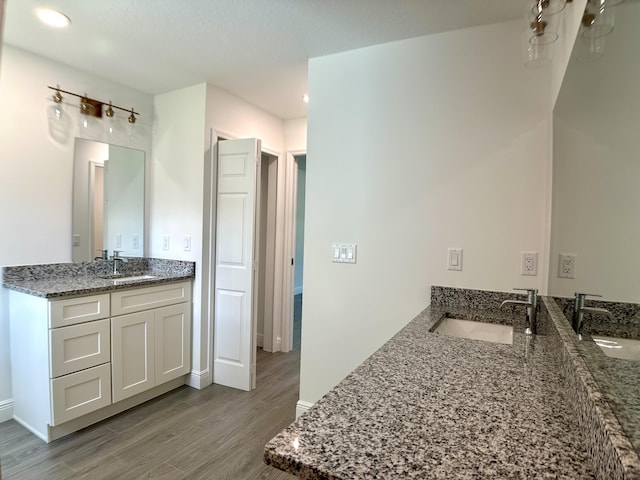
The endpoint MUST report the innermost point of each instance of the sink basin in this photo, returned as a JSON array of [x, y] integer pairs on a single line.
[[489, 332], [133, 278], [624, 348]]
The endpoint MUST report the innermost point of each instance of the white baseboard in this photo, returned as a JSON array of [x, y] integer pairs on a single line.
[[200, 379], [297, 290], [260, 339], [302, 407], [6, 410]]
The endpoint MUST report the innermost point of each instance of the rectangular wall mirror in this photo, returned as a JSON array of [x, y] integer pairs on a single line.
[[596, 166], [108, 200]]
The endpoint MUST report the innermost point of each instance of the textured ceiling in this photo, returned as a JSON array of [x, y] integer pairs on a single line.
[[255, 49]]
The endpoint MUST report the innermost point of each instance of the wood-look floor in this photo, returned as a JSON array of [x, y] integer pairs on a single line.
[[214, 433]]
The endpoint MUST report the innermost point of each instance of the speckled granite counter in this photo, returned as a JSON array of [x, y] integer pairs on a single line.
[[606, 391], [68, 279], [428, 406]]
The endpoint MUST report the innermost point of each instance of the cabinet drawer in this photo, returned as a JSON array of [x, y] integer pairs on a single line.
[[130, 301], [80, 393], [78, 310], [81, 346]]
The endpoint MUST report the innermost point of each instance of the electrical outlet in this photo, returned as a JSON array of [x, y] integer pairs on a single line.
[[165, 242], [529, 265], [135, 242], [567, 266], [186, 243]]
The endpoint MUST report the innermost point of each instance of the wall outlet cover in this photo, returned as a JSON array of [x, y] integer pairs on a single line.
[[529, 264], [165, 242], [567, 265]]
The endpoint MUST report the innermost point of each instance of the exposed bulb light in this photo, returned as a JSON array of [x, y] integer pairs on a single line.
[[53, 18], [132, 117], [109, 112], [305, 98]]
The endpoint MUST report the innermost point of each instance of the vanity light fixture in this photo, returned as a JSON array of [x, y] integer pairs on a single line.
[[109, 111], [598, 19], [91, 106], [596, 24], [53, 18], [57, 108]]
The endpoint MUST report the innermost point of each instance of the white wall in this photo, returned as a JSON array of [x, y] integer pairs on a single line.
[[182, 172], [413, 147], [569, 22], [36, 171], [295, 135]]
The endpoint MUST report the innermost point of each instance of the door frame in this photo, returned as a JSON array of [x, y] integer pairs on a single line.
[[289, 246], [209, 259]]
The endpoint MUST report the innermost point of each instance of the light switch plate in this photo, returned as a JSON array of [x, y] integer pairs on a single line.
[[186, 243], [454, 259], [344, 253]]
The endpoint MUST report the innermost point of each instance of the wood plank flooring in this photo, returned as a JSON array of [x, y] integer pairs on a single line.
[[214, 433]]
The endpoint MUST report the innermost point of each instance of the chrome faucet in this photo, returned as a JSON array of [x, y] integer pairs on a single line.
[[117, 258], [532, 308], [579, 309]]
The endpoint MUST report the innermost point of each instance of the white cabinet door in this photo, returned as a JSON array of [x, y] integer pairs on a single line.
[[172, 342], [132, 354]]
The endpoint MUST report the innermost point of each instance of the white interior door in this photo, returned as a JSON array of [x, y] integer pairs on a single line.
[[234, 347]]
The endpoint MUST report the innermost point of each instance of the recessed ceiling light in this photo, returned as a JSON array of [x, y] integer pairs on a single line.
[[53, 18], [305, 98]]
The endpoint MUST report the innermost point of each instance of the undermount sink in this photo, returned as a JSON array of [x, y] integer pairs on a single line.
[[116, 280], [623, 348], [488, 332]]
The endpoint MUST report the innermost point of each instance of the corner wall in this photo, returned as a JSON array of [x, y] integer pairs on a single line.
[[416, 146]]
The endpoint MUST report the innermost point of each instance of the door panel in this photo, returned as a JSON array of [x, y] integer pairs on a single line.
[[172, 342], [235, 330]]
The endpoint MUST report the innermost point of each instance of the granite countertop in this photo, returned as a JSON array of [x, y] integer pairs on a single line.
[[429, 406], [69, 279]]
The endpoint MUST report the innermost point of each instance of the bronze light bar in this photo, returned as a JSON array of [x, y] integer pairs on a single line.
[[91, 106]]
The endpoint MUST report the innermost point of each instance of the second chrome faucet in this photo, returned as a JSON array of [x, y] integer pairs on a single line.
[[532, 308], [579, 309]]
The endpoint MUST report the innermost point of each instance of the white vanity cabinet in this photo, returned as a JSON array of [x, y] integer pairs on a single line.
[[78, 360]]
